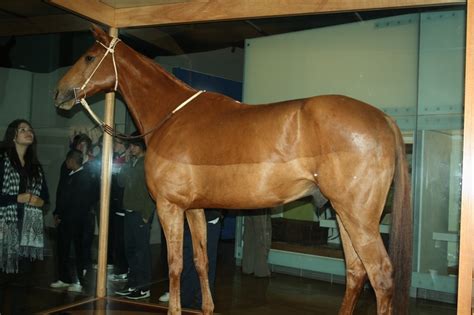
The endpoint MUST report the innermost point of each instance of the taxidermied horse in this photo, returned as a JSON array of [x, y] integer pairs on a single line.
[[206, 150]]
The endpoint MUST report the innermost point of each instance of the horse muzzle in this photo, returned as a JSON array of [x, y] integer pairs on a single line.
[[65, 100]]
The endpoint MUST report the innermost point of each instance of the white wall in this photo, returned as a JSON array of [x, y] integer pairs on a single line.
[[374, 61]]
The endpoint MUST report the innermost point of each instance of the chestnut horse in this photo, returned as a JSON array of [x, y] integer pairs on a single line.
[[218, 153]]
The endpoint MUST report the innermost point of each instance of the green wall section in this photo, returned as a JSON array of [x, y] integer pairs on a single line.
[[299, 210]]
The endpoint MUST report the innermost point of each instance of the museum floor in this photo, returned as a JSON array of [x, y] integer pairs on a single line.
[[236, 293]]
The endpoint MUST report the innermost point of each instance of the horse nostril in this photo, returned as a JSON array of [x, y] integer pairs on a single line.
[[56, 95]]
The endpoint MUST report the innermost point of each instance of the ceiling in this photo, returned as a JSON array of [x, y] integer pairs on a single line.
[[27, 17]]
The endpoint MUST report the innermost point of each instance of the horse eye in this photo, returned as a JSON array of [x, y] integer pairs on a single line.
[[89, 58]]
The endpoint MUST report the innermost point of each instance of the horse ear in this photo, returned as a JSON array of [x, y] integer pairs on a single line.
[[99, 34]]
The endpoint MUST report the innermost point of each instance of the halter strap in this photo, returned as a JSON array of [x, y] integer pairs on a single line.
[[111, 131], [108, 49]]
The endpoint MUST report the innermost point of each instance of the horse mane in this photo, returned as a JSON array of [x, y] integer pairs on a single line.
[[157, 67]]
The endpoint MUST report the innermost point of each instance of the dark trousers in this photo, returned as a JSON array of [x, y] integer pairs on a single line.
[[190, 286], [120, 259], [78, 234], [257, 243], [110, 236], [88, 239], [14, 289], [164, 254], [137, 250]]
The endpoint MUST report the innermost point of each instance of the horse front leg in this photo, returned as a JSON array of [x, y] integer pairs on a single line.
[[198, 228], [172, 221]]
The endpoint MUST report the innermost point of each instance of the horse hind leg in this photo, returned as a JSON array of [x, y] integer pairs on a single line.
[[364, 235], [355, 273], [198, 228]]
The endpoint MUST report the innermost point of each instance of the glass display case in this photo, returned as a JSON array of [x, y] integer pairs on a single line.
[[412, 67]]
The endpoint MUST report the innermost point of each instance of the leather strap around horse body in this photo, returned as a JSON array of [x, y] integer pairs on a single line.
[[109, 129]]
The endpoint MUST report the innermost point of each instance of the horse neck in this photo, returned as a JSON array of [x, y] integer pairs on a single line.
[[148, 90]]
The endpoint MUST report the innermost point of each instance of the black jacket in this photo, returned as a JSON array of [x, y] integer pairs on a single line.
[[75, 196]]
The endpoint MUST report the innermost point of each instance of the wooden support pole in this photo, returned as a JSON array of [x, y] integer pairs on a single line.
[[466, 248], [106, 179]]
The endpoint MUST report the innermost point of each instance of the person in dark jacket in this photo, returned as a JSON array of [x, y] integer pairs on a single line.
[[73, 216], [139, 209], [91, 166]]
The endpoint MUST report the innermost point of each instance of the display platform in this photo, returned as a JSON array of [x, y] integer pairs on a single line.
[[109, 305]]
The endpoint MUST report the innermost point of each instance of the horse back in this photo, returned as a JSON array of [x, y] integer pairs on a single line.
[[220, 131]]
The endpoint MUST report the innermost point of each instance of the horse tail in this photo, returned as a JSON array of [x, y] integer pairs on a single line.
[[401, 234]]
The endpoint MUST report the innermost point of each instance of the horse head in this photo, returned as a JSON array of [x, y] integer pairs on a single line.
[[92, 73]]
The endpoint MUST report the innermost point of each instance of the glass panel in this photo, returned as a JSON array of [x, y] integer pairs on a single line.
[[439, 138], [375, 61], [439, 201], [410, 66]]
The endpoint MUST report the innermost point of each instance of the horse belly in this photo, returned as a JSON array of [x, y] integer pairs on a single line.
[[237, 186]]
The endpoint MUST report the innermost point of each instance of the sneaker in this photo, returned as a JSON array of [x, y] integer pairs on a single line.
[[138, 294], [59, 284], [165, 297], [75, 287], [119, 277], [125, 292]]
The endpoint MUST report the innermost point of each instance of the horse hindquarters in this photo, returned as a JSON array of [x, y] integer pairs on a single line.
[[359, 207], [357, 184], [364, 252]]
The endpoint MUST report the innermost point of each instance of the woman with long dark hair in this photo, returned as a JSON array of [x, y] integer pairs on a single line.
[[23, 191]]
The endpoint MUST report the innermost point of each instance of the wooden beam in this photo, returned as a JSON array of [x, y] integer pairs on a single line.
[[466, 243], [136, 3], [194, 11], [156, 37], [219, 10], [43, 24], [93, 10]]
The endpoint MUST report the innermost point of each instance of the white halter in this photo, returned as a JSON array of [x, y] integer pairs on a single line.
[[111, 49]]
